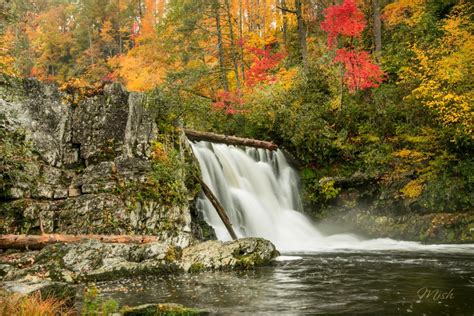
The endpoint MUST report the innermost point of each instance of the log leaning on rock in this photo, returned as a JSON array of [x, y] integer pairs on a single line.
[[39, 241], [229, 140], [219, 209]]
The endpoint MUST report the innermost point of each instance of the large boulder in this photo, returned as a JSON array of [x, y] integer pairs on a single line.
[[218, 255]]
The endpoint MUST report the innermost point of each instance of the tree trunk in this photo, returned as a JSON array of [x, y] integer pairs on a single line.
[[341, 87], [140, 9], [377, 29], [40, 241], [302, 34], [232, 43], [241, 34], [219, 209], [285, 23], [220, 46], [90, 45], [119, 22], [229, 140]]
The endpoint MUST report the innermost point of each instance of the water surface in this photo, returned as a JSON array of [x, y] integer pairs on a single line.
[[347, 282]]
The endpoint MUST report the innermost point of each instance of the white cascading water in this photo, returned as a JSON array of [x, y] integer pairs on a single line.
[[259, 191]]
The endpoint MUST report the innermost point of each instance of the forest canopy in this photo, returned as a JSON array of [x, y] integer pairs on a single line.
[[381, 86]]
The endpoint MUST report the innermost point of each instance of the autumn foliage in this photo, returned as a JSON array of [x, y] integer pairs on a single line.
[[360, 72], [299, 72], [35, 304], [229, 102], [346, 21], [264, 63], [343, 20]]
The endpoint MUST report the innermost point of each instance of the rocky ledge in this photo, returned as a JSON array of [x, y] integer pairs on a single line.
[[364, 206], [427, 228], [60, 265]]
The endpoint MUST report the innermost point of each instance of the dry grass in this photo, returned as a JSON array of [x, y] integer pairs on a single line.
[[33, 305]]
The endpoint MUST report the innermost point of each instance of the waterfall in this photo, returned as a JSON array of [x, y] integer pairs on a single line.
[[259, 191]]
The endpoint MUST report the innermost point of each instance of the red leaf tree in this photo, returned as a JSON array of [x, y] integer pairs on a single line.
[[360, 73], [347, 21], [228, 102], [261, 71], [265, 61]]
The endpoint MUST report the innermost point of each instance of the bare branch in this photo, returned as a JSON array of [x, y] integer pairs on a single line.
[[286, 9]]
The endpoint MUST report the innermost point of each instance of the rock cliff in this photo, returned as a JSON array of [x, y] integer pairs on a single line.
[[73, 164]]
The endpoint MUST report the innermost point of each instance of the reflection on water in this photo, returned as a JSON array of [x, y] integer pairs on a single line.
[[324, 283]]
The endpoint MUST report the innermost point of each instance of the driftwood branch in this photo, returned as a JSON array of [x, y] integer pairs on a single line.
[[40, 241], [220, 210], [229, 140]]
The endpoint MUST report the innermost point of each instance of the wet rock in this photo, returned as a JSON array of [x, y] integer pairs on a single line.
[[367, 205], [200, 228]]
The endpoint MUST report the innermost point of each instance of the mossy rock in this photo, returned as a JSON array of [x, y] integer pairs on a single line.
[[162, 309], [196, 267], [249, 260]]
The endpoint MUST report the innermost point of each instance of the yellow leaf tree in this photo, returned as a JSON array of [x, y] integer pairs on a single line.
[[443, 74]]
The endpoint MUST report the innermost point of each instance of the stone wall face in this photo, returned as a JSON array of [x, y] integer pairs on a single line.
[[84, 153]]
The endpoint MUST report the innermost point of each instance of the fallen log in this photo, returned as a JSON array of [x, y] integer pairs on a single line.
[[220, 210], [39, 241], [229, 140]]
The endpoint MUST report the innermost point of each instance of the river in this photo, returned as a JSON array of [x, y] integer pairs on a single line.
[[344, 282]]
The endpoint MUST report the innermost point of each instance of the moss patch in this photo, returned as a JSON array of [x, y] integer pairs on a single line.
[[162, 309]]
